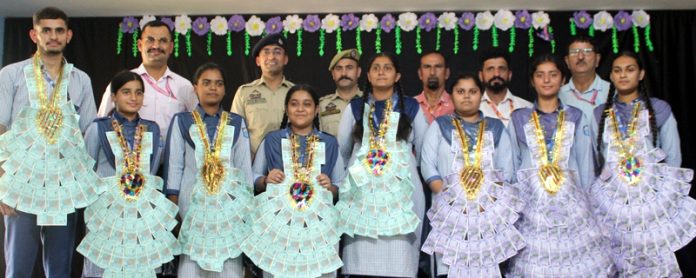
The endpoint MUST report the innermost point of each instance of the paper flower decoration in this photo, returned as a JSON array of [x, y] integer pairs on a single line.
[[219, 25], [292, 23], [274, 25], [407, 21], [388, 23], [146, 19], [484, 20], [169, 22], [182, 24], [349, 22], [255, 26], [427, 21], [582, 19], [311, 23], [236, 23], [623, 21], [504, 20], [369, 22], [640, 18], [467, 21], [540, 19], [603, 21], [447, 20], [330, 23], [129, 24], [523, 19], [201, 26]]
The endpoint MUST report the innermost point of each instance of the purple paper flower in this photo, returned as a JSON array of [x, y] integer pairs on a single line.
[[236, 23], [129, 24], [311, 23], [523, 20], [583, 20], [623, 21], [388, 23], [349, 22], [200, 26], [427, 21], [467, 21], [169, 22], [274, 25]]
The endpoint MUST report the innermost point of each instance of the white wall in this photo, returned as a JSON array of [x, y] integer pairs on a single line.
[[2, 38]]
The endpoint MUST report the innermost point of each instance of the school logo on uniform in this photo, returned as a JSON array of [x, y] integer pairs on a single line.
[[330, 109], [255, 97]]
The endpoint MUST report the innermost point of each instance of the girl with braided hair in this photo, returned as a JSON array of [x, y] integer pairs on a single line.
[[381, 202], [641, 196]]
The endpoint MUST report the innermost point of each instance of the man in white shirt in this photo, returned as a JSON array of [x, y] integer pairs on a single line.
[[585, 90], [166, 93], [498, 102]]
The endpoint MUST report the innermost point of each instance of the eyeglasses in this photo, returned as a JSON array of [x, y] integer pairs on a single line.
[[576, 51]]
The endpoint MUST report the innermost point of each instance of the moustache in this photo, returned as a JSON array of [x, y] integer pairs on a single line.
[[345, 78], [154, 49], [496, 78]]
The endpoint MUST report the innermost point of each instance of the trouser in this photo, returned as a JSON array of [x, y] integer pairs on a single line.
[[22, 239]]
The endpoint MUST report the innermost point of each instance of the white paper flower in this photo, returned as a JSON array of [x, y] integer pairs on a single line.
[[292, 23], [447, 20], [484, 20], [603, 21], [369, 22], [146, 18], [255, 26], [504, 19], [540, 19], [182, 24], [330, 23], [640, 18], [407, 21], [219, 25]]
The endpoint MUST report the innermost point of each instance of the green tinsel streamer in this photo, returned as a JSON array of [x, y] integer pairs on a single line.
[[614, 40], [494, 36], [419, 47], [513, 35], [134, 44], [378, 40], [530, 46], [229, 43], [476, 39], [636, 39], [358, 41], [397, 40], [339, 40], [285, 34], [188, 43], [553, 40], [209, 44], [439, 38], [299, 42], [247, 43], [176, 44], [648, 41], [591, 32], [119, 41], [322, 41], [573, 28], [455, 49]]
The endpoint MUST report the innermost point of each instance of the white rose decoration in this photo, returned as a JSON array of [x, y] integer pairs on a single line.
[[182, 24], [447, 20], [255, 26], [484, 20], [407, 21]]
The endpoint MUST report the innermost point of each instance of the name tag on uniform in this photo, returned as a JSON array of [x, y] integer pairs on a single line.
[[255, 98], [331, 109]]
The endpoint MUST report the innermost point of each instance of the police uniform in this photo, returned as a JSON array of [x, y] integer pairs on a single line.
[[331, 106]]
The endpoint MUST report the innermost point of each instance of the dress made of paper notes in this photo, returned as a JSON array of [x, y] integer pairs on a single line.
[[644, 204], [473, 217], [376, 199], [47, 169], [130, 224], [216, 222], [295, 223], [563, 239]]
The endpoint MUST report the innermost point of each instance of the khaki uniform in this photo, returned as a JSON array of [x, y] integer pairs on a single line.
[[262, 108], [330, 109]]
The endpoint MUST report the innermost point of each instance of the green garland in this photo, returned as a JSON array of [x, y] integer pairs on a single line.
[[648, 41], [188, 43], [592, 31], [134, 44], [573, 28], [339, 40], [476, 39], [513, 37], [439, 38], [455, 49], [378, 40], [553, 40], [119, 41], [494, 36], [636, 39], [530, 46], [322, 41], [285, 34], [358, 41], [299, 42], [247, 43], [229, 43], [419, 47], [397, 40], [176, 44], [209, 43], [614, 40]]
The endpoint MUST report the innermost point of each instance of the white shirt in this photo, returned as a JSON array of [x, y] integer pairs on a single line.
[[157, 105], [503, 110]]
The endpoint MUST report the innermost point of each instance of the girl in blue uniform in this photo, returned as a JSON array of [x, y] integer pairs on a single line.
[[297, 170], [382, 202], [552, 152], [209, 176], [129, 225], [641, 196], [466, 162]]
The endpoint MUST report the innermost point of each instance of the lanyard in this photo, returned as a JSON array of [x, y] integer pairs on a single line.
[[168, 92], [497, 112], [592, 100]]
